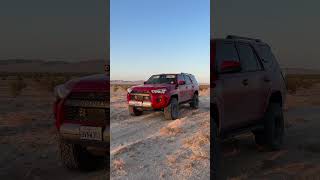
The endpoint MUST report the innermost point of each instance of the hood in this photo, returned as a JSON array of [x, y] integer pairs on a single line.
[[149, 87], [98, 82]]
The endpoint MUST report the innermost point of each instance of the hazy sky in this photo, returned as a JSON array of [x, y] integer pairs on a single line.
[[57, 29], [159, 36], [291, 27]]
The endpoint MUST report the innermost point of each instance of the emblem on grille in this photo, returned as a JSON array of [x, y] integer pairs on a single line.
[[82, 112], [91, 95]]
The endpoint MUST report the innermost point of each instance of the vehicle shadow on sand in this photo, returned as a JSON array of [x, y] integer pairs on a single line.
[[298, 159]]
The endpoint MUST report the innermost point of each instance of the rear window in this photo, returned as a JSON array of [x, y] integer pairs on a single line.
[[225, 51]]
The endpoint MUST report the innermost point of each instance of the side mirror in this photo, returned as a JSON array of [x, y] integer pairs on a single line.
[[230, 66], [181, 82], [144, 82]]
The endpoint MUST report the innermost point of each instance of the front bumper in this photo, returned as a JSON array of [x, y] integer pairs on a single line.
[[154, 101], [140, 104], [71, 133]]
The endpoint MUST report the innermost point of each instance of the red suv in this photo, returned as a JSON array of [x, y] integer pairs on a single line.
[[82, 112], [248, 91], [164, 92]]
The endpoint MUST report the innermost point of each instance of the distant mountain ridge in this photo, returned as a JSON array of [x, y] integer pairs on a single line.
[[25, 65], [126, 82]]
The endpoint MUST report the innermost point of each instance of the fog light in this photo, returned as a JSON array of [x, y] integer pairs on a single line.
[[159, 99]]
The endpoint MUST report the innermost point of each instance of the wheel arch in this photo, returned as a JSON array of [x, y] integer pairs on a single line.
[[276, 97]]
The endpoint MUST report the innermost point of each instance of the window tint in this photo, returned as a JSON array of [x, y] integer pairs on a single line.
[[248, 59], [188, 81], [266, 55], [225, 51], [161, 79]]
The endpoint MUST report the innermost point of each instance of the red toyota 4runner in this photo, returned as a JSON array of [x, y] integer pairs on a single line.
[[248, 91], [82, 112], [164, 92]]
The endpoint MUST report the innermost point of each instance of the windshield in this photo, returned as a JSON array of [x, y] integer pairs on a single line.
[[162, 79]]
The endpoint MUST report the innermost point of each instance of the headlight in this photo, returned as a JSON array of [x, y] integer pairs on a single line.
[[129, 90], [61, 91], [159, 91]]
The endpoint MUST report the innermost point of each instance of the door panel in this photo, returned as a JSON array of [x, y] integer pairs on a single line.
[[182, 89], [189, 93], [235, 99]]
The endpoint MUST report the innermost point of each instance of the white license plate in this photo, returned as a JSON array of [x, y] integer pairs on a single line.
[[91, 133]]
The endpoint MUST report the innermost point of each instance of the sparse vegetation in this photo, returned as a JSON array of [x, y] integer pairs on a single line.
[[50, 82], [299, 81], [173, 128], [16, 82], [117, 87], [204, 87], [118, 166], [17, 86]]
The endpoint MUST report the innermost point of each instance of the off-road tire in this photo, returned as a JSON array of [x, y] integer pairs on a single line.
[[195, 101], [171, 112], [273, 133], [215, 152], [76, 157], [134, 111]]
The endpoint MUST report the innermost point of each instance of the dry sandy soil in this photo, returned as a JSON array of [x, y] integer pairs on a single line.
[[149, 147], [300, 156], [28, 143]]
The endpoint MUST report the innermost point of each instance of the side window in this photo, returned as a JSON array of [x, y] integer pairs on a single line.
[[180, 77], [225, 51], [193, 79], [188, 81], [248, 58], [266, 55]]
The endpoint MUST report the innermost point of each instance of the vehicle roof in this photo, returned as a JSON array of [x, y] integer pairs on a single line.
[[241, 39], [171, 74]]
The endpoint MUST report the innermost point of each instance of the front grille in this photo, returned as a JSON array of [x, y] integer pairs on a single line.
[[73, 113], [140, 97], [91, 96], [87, 106]]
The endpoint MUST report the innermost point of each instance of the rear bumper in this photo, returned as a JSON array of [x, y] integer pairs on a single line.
[[71, 133]]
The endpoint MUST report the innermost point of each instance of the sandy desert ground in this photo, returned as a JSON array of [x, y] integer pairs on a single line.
[[149, 144], [150, 147]]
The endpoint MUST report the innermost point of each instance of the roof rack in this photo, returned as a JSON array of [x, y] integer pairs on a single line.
[[240, 37]]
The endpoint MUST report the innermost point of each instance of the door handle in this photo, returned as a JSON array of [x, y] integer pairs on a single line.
[[245, 82]]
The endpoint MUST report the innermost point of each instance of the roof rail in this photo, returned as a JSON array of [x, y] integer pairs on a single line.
[[240, 37]]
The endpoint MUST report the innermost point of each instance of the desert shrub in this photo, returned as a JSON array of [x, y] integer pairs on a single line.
[[17, 86], [49, 82], [203, 87], [115, 88], [295, 82]]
